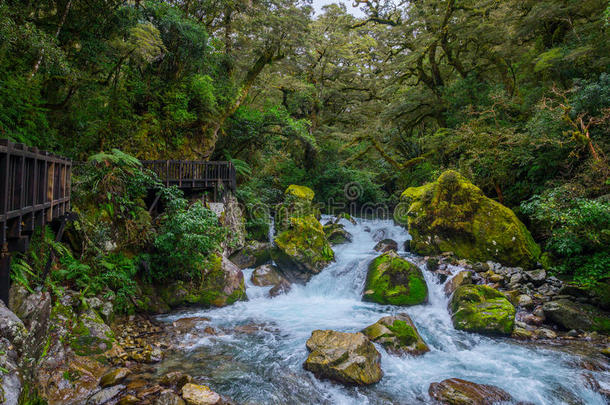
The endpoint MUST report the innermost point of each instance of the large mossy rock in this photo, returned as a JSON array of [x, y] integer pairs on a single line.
[[455, 391], [302, 250], [571, 315], [298, 202], [336, 234], [349, 358], [393, 280], [222, 284], [482, 309], [453, 215], [397, 334]]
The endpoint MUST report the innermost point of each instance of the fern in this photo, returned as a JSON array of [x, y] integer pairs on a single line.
[[242, 168]]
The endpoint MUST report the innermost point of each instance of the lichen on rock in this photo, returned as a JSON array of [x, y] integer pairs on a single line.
[[453, 215], [481, 309], [393, 280]]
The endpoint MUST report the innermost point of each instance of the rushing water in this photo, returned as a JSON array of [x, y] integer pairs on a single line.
[[258, 354]]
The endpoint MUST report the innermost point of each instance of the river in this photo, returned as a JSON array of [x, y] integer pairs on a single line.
[[258, 354]]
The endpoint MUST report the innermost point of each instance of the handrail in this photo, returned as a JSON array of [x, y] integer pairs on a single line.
[[193, 174]]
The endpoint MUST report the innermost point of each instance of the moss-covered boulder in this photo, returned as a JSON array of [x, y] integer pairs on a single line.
[[349, 358], [253, 254], [397, 334], [482, 309], [336, 234], [462, 278], [455, 391], [571, 315], [393, 280], [298, 202], [453, 215], [302, 250], [221, 284]]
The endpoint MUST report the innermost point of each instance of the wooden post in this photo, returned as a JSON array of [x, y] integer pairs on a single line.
[[5, 273]]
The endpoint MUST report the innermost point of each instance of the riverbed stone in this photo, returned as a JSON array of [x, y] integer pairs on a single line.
[[114, 377], [195, 394], [104, 396], [453, 215], [386, 245], [571, 315], [395, 281], [266, 275], [302, 250], [168, 398], [462, 278], [175, 379], [349, 358], [12, 328], [456, 391], [397, 334], [283, 287], [254, 254], [482, 309]]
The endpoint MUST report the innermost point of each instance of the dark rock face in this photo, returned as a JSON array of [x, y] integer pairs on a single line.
[[386, 245], [455, 391], [349, 358], [266, 275], [336, 234], [10, 381], [571, 315], [253, 254]]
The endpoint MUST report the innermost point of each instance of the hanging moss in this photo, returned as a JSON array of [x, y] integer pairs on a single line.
[[393, 280]]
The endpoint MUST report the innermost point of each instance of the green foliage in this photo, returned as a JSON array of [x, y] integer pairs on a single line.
[[576, 232], [185, 237]]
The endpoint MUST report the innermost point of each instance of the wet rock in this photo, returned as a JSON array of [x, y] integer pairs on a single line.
[[253, 254], [114, 377], [283, 287], [462, 278], [175, 379], [302, 250], [456, 391], [481, 309], [432, 264], [104, 396], [537, 277], [185, 325], [195, 394], [570, 315], [532, 319], [407, 245], [34, 310], [336, 234], [522, 334], [233, 219], [453, 215], [525, 301], [349, 358], [606, 351], [128, 400], [266, 275], [393, 280], [168, 398], [397, 334], [386, 245], [544, 333]]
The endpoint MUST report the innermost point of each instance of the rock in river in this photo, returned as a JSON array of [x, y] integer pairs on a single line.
[[571, 315], [195, 394], [393, 280], [349, 358], [386, 245], [266, 275], [455, 391], [482, 309], [453, 215], [397, 334]]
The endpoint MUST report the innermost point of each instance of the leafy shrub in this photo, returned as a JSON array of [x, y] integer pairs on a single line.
[[578, 233], [185, 237]]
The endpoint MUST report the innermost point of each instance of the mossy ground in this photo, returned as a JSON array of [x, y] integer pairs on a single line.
[[453, 215], [393, 280]]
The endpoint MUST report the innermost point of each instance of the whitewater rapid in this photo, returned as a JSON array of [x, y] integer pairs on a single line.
[[257, 356]]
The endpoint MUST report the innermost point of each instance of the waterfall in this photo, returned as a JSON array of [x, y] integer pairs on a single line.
[[258, 353]]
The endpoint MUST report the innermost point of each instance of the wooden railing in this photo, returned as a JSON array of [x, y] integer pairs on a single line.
[[193, 174], [34, 190]]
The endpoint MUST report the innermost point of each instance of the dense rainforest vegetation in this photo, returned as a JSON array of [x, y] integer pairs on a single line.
[[513, 94]]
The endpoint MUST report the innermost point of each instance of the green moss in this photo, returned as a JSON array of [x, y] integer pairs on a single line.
[[297, 203], [453, 215], [405, 333], [300, 192], [482, 309], [306, 241], [393, 280]]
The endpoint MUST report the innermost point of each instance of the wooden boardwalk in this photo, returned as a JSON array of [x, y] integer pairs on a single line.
[[34, 190], [194, 174]]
